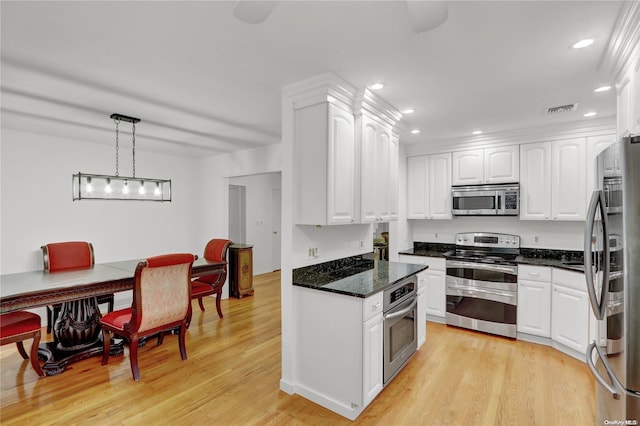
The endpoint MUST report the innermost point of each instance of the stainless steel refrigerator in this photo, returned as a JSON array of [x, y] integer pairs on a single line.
[[612, 271]]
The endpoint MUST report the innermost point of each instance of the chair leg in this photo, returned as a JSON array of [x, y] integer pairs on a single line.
[[106, 346], [181, 341], [35, 363], [133, 358], [218, 297], [160, 338], [201, 304], [23, 353]]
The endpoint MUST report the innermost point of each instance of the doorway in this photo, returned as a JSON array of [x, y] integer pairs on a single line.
[[237, 213]]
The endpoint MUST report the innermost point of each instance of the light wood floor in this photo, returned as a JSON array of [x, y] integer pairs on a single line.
[[232, 376]]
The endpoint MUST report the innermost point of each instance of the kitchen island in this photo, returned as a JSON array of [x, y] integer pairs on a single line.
[[339, 330]]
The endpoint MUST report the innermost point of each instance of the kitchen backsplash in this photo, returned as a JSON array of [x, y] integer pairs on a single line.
[[565, 235]]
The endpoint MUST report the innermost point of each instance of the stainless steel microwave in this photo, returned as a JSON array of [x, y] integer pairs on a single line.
[[486, 200]]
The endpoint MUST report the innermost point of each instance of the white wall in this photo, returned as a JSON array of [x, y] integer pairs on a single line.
[[37, 206], [259, 219]]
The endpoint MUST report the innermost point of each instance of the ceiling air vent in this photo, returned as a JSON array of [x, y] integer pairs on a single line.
[[562, 108]]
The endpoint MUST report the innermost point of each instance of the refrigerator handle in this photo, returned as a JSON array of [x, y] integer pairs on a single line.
[[599, 307], [615, 383]]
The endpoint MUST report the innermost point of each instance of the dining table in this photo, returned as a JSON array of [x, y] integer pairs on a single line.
[[76, 331]]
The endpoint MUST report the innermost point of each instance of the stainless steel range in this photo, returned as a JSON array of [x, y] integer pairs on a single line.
[[482, 282]]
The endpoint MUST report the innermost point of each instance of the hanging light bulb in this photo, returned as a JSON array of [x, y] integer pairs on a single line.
[[88, 187], [108, 188], [157, 191], [141, 190], [125, 188]]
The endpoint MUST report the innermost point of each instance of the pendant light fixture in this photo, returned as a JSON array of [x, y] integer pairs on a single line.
[[87, 186]]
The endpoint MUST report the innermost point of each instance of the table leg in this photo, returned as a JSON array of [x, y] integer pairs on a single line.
[[77, 336]]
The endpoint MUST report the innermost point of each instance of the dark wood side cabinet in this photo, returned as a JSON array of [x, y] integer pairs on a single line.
[[240, 270]]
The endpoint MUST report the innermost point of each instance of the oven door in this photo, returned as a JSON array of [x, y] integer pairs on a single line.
[[482, 297], [400, 337]]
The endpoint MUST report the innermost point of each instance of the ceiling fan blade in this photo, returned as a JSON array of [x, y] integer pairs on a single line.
[[253, 12], [427, 15]]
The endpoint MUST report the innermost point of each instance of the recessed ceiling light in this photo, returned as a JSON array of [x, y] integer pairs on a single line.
[[415, 131], [408, 111], [591, 114], [582, 43], [602, 89], [376, 86], [476, 132]]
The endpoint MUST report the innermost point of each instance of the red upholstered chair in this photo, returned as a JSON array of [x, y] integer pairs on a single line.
[[67, 256], [207, 285], [18, 326], [161, 302]]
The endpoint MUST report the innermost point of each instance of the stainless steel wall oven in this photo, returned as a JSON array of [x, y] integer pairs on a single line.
[[400, 309], [482, 283]]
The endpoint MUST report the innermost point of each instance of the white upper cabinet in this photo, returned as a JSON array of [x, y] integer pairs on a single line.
[[553, 184], [468, 167], [535, 182], [418, 187], [379, 156], [502, 164], [595, 145], [440, 186], [489, 165], [325, 154], [568, 179], [429, 186]]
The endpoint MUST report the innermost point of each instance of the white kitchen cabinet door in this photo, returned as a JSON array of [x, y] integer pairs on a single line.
[[422, 309], [570, 317], [373, 350], [468, 167], [418, 191], [502, 164], [324, 183], [534, 307], [383, 164], [624, 106], [634, 98], [568, 179], [392, 181], [439, 184], [595, 145], [535, 182], [341, 167], [436, 293], [368, 173]]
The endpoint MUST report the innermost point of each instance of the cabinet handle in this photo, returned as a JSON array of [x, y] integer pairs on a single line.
[[546, 217], [535, 274], [375, 307]]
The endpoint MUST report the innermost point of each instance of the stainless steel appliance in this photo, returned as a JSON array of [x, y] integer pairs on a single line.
[[486, 200], [400, 310], [612, 271], [482, 282]]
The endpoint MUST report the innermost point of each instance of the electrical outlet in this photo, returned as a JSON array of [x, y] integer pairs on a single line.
[[436, 235], [536, 239], [361, 244]]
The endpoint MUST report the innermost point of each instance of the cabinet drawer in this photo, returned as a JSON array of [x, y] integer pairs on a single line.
[[534, 273], [569, 279], [372, 306]]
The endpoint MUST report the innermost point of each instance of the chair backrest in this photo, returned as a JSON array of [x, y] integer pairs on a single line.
[[216, 249], [67, 255], [162, 291]]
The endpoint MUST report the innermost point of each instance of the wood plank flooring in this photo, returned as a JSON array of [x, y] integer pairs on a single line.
[[232, 374]]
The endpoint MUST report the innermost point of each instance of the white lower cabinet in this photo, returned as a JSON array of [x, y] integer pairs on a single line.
[[422, 309], [338, 349], [534, 300], [434, 279], [570, 310]]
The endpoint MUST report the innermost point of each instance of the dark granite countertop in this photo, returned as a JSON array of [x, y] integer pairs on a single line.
[[566, 259], [358, 276], [428, 249]]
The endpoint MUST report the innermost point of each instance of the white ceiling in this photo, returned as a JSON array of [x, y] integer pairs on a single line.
[[203, 82]]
